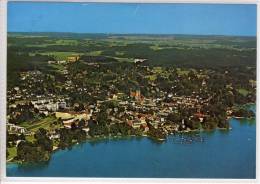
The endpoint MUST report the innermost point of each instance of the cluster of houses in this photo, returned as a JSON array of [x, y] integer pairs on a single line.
[[57, 62], [49, 105], [11, 128], [139, 112], [70, 59]]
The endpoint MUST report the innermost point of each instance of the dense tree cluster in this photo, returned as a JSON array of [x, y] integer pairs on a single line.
[[69, 136], [21, 113], [35, 151]]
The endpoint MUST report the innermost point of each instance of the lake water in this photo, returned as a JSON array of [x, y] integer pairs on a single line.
[[222, 154]]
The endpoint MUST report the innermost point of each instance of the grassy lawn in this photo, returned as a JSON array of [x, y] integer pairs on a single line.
[[94, 53], [120, 59], [12, 152], [41, 123], [57, 66], [26, 124], [30, 138], [242, 91], [60, 55]]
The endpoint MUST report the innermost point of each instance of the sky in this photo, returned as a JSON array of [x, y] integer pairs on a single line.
[[199, 19]]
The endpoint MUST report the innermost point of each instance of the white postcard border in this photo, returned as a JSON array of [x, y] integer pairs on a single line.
[[58, 180]]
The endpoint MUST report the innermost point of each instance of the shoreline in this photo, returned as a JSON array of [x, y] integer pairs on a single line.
[[102, 138], [171, 149], [242, 117]]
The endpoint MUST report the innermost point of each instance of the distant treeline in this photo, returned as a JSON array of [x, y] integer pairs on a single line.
[[28, 51]]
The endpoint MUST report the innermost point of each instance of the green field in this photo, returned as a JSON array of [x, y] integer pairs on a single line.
[[60, 55], [243, 91], [94, 53], [30, 138], [41, 123]]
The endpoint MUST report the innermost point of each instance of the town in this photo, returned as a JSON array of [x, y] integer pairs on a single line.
[[86, 97]]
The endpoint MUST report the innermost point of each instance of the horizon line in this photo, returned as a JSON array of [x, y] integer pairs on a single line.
[[163, 34]]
